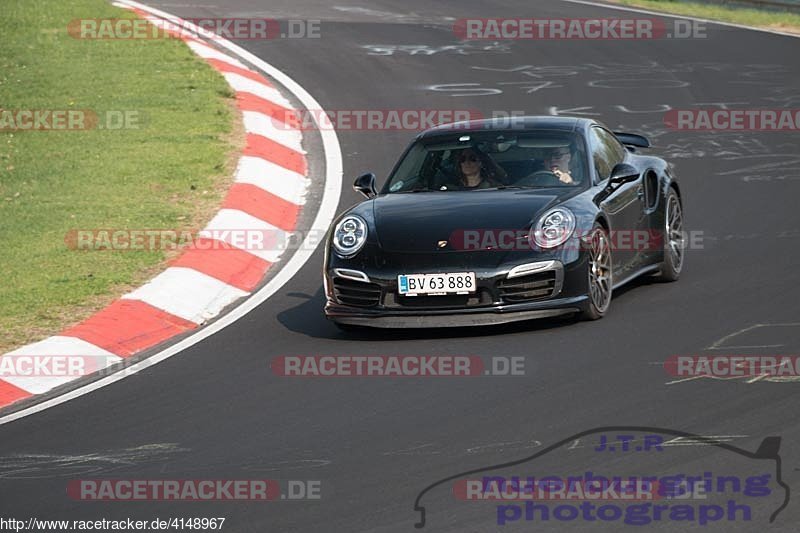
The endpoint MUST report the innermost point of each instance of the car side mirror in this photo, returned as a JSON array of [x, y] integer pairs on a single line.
[[623, 173], [365, 184]]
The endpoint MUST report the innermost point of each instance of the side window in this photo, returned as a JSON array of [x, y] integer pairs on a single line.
[[606, 152]]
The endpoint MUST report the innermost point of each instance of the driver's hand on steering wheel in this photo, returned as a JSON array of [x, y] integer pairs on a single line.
[[564, 177]]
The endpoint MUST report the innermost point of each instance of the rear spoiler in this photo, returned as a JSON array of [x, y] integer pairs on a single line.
[[632, 139]]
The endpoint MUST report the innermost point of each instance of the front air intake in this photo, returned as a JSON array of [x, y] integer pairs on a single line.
[[356, 293]]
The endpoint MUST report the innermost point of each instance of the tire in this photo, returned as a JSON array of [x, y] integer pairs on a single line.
[[673, 238], [599, 267]]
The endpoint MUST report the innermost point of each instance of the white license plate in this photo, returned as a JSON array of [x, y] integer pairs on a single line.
[[436, 284]]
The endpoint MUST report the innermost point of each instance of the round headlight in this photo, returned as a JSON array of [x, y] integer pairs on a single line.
[[554, 228], [349, 235]]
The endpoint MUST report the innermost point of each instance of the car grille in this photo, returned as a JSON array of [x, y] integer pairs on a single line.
[[537, 286], [358, 293], [446, 301]]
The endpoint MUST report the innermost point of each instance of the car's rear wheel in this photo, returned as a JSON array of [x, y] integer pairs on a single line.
[[599, 271], [673, 238]]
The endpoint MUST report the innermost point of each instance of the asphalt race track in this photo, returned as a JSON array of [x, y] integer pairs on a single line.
[[217, 411]]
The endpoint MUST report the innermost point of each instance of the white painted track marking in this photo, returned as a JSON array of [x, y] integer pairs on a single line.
[[182, 291], [57, 345], [273, 178]]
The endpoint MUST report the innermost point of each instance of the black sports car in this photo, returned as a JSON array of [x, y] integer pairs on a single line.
[[492, 221]]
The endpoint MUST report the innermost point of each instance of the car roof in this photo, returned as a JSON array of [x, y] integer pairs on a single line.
[[517, 123]]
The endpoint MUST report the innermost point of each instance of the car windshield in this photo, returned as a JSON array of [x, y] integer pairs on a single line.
[[470, 161]]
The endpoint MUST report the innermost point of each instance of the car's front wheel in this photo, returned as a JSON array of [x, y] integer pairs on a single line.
[[599, 272]]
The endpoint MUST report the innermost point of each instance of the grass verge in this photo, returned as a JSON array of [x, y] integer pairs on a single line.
[[170, 171], [760, 18]]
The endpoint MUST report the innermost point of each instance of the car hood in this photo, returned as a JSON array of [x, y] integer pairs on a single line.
[[416, 222]]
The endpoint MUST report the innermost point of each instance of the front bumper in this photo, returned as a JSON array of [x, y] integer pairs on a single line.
[[369, 296]]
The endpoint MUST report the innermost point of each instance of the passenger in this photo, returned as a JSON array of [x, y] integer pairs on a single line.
[[478, 171]]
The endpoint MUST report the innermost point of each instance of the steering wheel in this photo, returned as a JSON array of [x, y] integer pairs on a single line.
[[540, 178]]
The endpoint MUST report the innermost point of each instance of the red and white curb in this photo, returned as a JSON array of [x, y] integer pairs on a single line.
[[267, 196]]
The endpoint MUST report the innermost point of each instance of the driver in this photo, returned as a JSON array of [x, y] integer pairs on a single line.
[[557, 160]]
